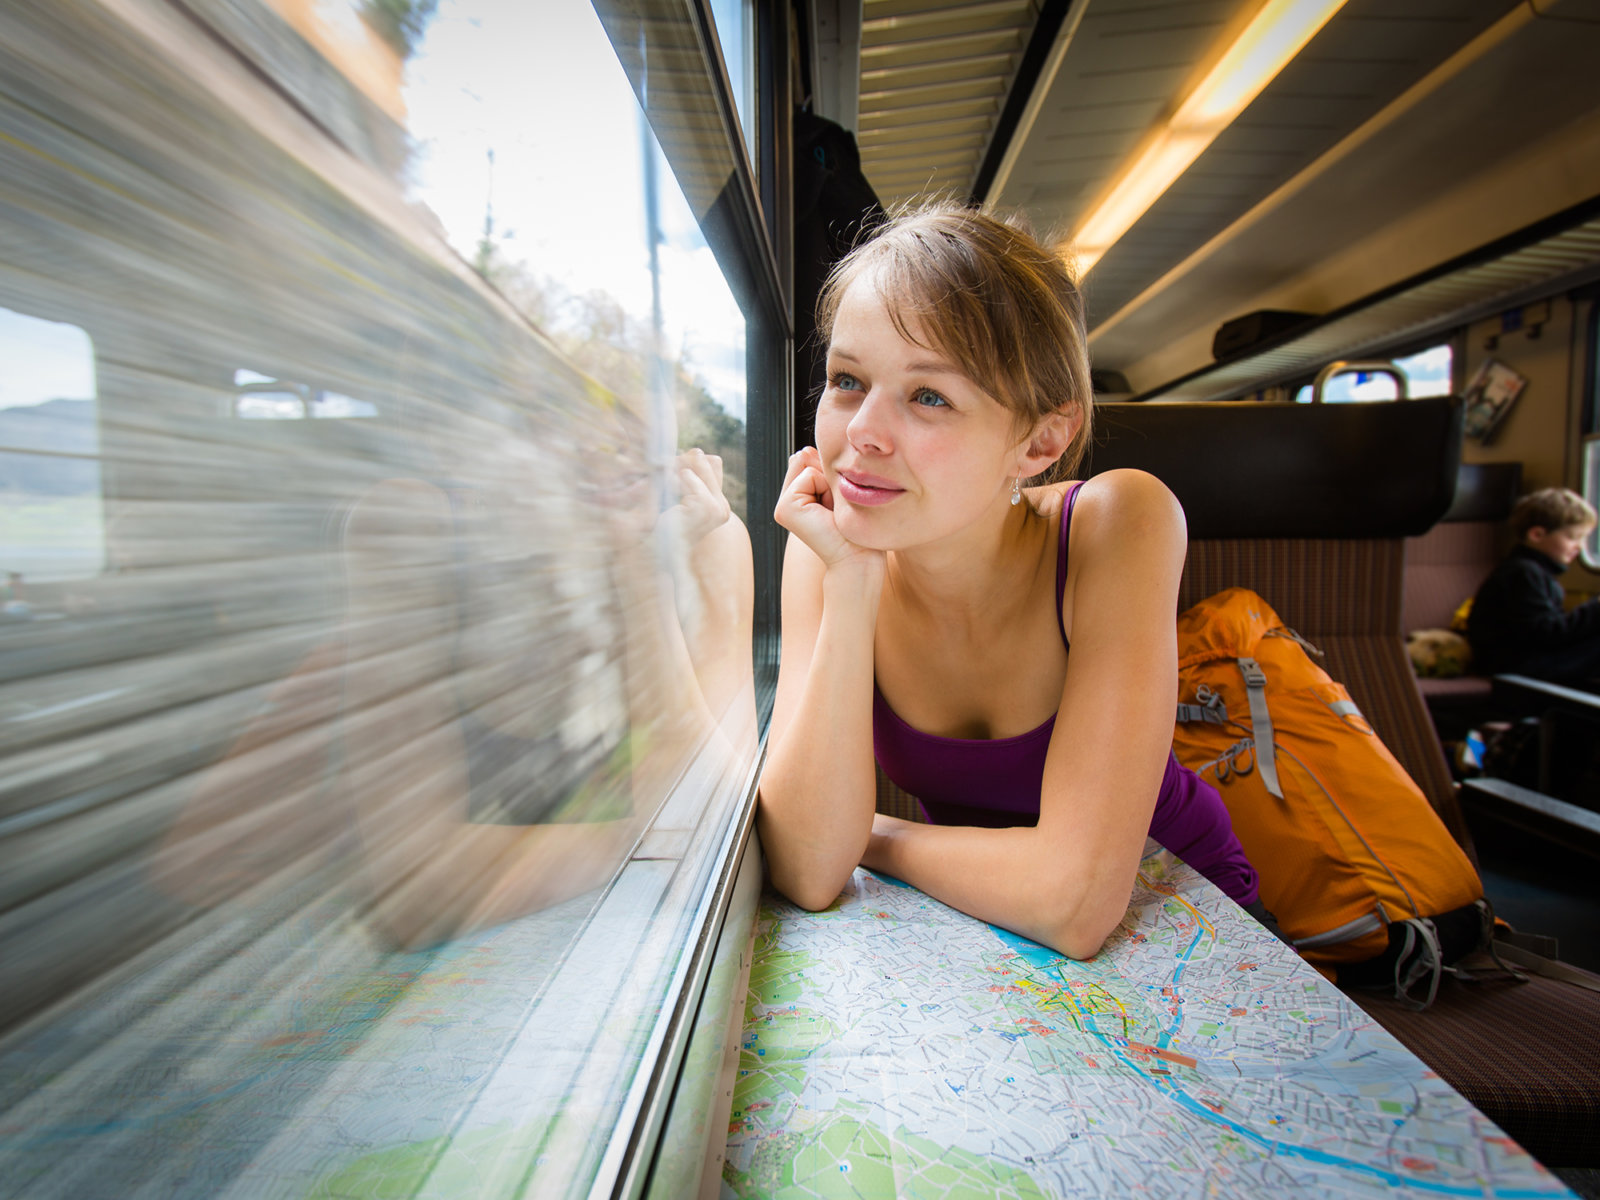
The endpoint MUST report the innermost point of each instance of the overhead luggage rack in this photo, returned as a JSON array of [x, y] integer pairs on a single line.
[[1543, 259]]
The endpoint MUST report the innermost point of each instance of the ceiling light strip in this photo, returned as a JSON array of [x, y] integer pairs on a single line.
[[1277, 33]]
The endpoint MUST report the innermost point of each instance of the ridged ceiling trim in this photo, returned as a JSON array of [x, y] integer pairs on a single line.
[[934, 79]]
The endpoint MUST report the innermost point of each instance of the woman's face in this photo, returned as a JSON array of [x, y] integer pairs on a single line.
[[913, 450]]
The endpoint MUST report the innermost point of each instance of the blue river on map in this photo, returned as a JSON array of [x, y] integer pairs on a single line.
[[1346, 1077]]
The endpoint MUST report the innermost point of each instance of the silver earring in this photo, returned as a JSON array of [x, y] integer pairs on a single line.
[[1016, 491]]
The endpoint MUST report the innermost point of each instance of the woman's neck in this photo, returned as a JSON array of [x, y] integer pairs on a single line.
[[978, 577]]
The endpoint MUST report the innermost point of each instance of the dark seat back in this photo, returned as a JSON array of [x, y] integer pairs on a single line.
[[1250, 470]]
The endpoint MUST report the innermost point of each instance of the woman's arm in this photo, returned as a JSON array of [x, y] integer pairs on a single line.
[[1066, 882], [818, 788]]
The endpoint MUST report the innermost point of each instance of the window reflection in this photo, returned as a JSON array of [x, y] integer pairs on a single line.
[[735, 20], [395, 717]]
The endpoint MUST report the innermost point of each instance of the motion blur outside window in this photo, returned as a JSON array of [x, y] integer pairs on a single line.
[[378, 629], [1427, 372]]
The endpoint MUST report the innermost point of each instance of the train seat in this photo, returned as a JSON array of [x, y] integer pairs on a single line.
[[1444, 566], [1310, 506]]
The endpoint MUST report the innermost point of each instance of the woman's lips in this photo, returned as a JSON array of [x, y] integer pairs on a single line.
[[867, 490]]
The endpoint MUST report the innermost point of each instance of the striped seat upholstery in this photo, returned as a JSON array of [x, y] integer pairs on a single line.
[[1526, 1054], [896, 801]]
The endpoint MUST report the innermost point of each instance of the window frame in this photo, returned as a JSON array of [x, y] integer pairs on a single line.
[[1588, 431], [748, 230], [750, 243]]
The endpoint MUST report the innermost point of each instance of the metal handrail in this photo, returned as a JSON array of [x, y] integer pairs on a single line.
[[1380, 366]]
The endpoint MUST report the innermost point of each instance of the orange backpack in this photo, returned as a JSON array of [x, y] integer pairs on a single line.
[[1347, 847]]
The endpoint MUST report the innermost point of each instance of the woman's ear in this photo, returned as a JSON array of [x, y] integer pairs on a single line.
[[1049, 441]]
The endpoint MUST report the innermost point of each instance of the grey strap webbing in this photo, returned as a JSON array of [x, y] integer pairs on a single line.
[[1211, 708], [1255, 683]]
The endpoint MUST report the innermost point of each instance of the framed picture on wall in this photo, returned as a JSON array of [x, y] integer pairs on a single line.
[[1489, 396]]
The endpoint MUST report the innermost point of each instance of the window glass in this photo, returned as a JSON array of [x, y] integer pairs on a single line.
[[51, 526], [366, 784], [1591, 493], [735, 20], [1427, 372]]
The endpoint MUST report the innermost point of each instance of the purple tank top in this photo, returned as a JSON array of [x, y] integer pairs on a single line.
[[996, 782]]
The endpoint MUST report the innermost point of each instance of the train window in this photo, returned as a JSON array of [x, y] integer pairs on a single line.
[[1591, 436], [259, 397], [51, 525], [364, 823], [735, 20], [1427, 372], [1591, 492]]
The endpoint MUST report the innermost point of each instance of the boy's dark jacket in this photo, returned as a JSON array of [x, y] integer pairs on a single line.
[[1519, 610]]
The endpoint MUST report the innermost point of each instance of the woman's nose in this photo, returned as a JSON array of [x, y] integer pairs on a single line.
[[869, 428]]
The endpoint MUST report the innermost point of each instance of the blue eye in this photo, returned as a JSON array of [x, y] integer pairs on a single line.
[[929, 398], [844, 381]]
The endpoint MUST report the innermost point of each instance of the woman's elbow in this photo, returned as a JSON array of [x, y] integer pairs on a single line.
[[1080, 945], [811, 891], [1081, 926]]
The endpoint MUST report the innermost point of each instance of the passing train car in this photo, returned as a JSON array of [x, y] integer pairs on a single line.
[[394, 395]]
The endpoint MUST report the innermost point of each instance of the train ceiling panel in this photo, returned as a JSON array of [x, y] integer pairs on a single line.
[[1390, 107], [934, 77], [1368, 54]]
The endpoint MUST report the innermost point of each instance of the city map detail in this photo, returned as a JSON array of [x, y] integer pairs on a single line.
[[893, 1046]]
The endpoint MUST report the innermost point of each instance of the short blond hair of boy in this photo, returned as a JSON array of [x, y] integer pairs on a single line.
[[1551, 508]]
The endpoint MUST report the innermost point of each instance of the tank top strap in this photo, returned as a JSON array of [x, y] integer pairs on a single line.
[[1068, 501]]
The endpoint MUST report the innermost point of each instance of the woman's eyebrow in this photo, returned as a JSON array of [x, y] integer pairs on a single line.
[[931, 366]]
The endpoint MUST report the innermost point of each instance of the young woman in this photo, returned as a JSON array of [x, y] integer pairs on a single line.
[[1012, 664]]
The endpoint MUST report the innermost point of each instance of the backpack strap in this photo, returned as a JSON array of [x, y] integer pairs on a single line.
[[1211, 709], [1420, 963], [1255, 682]]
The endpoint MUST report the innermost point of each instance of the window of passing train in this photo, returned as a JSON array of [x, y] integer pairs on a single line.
[[364, 772], [1427, 372], [52, 526]]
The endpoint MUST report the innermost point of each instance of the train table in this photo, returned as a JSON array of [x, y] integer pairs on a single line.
[[895, 1047]]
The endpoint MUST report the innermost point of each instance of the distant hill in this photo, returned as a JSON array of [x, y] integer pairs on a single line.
[[62, 426]]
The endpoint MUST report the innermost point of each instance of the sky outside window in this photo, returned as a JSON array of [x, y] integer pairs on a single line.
[[528, 137]]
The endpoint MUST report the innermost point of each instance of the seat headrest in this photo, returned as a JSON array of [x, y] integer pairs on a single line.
[[1486, 491], [1249, 470]]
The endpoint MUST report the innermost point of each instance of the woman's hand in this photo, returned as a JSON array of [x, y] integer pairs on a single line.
[[701, 506], [805, 509]]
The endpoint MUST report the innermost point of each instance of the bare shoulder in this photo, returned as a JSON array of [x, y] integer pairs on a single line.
[[1129, 503]]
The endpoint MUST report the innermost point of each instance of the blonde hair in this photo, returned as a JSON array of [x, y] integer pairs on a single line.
[[1552, 509], [989, 297]]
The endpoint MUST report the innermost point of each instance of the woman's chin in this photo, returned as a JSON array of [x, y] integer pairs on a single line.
[[869, 529]]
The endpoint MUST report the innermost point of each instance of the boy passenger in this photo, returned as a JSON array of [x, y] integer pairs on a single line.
[[1519, 623], [1012, 665]]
